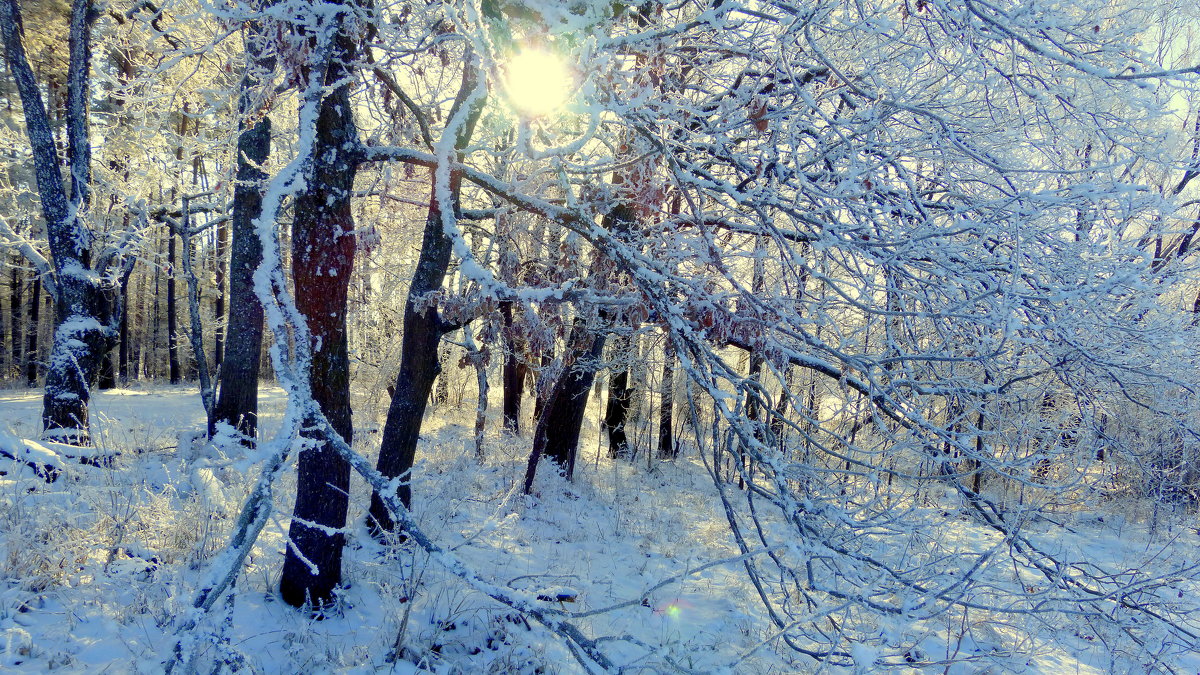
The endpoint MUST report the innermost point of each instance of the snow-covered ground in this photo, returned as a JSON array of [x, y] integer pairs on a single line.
[[97, 567]]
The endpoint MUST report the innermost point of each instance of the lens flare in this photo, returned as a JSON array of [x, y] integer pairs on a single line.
[[672, 608], [537, 82]]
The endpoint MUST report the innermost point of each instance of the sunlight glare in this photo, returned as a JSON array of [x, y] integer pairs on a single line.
[[537, 82]]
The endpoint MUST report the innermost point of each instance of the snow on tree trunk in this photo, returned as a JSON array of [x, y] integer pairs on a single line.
[[175, 374], [196, 329], [323, 245], [81, 333], [423, 325], [237, 401]]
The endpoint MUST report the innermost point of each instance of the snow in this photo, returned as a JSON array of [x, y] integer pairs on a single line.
[[101, 565]]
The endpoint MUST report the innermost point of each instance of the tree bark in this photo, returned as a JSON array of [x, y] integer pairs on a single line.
[[513, 375], [33, 331], [666, 405], [153, 360], [323, 246], [557, 433], [17, 309], [107, 378], [81, 333], [219, 301], [423, 331], [558, 427], [175, 374], [196, 332], [237, 401], [620, 395]]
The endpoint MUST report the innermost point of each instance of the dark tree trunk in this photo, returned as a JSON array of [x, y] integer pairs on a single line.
[[513, 373], [196, 332], [666, 406], [542, 390], [108, 368], [33, 332], [419, 367], [115, 366], [420, 364], [777, 424], [441, 392], [175, 374], [219, 302], [620, 394], [79, 346], [323, 245], [237, 402], [17, 310], [557, 433], [153, 361], [108, 373], [123, 349], [977, 477], [558, 426], [423, 331], [140, 323], [754, 416], [753, 410]]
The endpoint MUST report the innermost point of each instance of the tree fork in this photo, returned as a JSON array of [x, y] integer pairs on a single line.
[[81, 334], [237, 399], [323, 247], [423, 330]]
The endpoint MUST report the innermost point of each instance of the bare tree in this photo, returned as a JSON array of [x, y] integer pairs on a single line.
[[82, 332], [237, 403], [323, 246], [424, 326]]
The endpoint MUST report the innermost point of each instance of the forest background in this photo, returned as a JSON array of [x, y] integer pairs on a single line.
[[910, 285]]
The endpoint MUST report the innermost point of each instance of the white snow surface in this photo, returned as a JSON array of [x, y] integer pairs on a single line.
[[98, 567]]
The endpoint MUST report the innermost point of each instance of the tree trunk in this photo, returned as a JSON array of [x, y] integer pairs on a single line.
[[237, 401], [557, 433], [541, 388], [558, 427], [154, 360], [441, 392], [744, 460], [513, 375], [620, 394], [219, 302], [176, 375], [107, 378], [323, 245], [423, 331], [196, 332], [139, 329], [666, 405], [478, 358], [33, 333], [123, 349], [17, 308], [81, 333], [778, 425]]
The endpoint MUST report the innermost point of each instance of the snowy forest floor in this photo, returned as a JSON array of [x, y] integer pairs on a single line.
[[96, 567]]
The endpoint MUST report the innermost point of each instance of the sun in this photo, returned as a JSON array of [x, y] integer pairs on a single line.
[[537, 82]]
